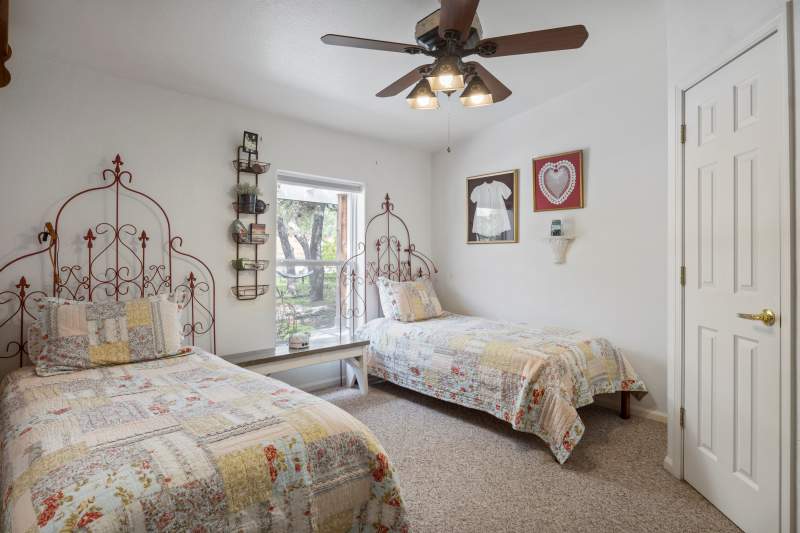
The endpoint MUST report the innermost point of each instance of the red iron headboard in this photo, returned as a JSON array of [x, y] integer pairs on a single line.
[[118, 269], [392, 256]]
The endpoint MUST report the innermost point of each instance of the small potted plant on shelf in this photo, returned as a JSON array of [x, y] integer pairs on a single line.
[[247, 196]]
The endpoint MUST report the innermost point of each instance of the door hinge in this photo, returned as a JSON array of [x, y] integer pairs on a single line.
[[683, 276], [683, 133], [683, 416]]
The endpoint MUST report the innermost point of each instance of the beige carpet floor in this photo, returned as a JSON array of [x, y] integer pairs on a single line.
[[465, 471]]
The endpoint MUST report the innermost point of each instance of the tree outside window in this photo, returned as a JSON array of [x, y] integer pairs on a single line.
[[313, 229]]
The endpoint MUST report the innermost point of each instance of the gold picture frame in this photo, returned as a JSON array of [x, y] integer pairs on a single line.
[[509, 178]]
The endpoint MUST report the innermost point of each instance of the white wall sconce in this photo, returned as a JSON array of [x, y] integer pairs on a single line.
[[559, 247], [559, 240]]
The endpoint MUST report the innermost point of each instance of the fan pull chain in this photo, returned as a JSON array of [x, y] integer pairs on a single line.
[[448, 121]]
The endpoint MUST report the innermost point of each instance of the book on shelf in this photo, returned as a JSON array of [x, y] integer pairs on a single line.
[[258, 232]]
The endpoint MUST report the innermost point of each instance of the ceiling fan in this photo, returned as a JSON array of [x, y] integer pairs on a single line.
[[451, 34]]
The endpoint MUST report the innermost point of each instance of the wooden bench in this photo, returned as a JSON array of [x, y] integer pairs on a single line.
[[271, 360]]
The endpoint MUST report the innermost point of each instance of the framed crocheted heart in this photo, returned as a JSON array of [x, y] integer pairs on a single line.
[[558, 181]]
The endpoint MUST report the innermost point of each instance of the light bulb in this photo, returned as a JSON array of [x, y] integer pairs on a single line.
[[424, 101], [477, 98], [446, 80], [476, 94]]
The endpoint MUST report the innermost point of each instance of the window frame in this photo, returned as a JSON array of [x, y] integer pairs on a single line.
[[355, 193]]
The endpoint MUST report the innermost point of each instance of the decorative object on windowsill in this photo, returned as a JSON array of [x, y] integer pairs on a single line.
[[559, 240], [5, 49], [249, 264], [450, 34], [558, 181], [492, 208], [248, 167], [285, 317], [298, 341]]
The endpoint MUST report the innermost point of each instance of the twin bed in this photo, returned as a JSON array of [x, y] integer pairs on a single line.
[[194, 443], [184, 441], [535, 379], [189, 443]]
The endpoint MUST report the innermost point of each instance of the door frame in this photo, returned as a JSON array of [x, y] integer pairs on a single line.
[[781, 28]]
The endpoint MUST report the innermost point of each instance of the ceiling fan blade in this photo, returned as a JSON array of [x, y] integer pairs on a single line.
[[403, 83], [370, 44], [457, 15], [5, 50], [534, 41], [499, 91]]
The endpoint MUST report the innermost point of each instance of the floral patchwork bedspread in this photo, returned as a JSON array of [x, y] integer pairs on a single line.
[[186, 444], [533, 378]]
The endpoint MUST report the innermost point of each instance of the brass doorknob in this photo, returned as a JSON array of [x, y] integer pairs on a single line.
[[767, 316]]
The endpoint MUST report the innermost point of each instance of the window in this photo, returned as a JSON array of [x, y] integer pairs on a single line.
[[316, 228]]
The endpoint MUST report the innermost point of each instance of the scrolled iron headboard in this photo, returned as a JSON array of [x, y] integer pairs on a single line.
[[392, 255], [118, 269]]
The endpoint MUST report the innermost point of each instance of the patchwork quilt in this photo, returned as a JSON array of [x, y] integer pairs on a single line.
[[189, 443], [533, 378]]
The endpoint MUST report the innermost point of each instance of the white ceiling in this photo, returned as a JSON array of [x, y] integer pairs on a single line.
[[267, 54]]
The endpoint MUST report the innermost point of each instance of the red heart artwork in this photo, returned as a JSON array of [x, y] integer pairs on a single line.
[[558, 181]]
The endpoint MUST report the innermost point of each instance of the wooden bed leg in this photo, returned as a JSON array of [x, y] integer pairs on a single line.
[[625, 404]]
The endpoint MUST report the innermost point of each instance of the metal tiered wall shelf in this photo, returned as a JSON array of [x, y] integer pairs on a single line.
[[247, 265]]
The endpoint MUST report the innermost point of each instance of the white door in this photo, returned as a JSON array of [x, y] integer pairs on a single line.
[[732, 256]]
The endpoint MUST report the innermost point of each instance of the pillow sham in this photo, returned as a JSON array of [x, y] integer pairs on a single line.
[[35, 341], [408, 301], [78, 335]]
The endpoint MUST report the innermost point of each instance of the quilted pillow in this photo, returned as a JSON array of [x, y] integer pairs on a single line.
[[408, 301], [79, 335]]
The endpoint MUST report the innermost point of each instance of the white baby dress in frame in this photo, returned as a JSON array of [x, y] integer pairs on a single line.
[[491, 216]]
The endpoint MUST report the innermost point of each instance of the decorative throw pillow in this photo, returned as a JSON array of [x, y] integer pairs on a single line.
[[408, 301], [81, 335], [35, 341]]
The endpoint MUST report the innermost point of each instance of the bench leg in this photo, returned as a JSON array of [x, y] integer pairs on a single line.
[[350, 376], [625, 404], [363, 381], [357, 371]]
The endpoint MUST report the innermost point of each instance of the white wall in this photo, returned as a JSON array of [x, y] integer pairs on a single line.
[[60, 125], [699, 32], [612, 283]]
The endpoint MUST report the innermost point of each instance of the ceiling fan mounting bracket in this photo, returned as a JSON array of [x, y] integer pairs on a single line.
[[451, 35]]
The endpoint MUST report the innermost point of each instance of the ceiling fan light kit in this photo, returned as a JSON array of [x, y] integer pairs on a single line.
[[449, 35], [447, 75], [476, 94], [422, 97]]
